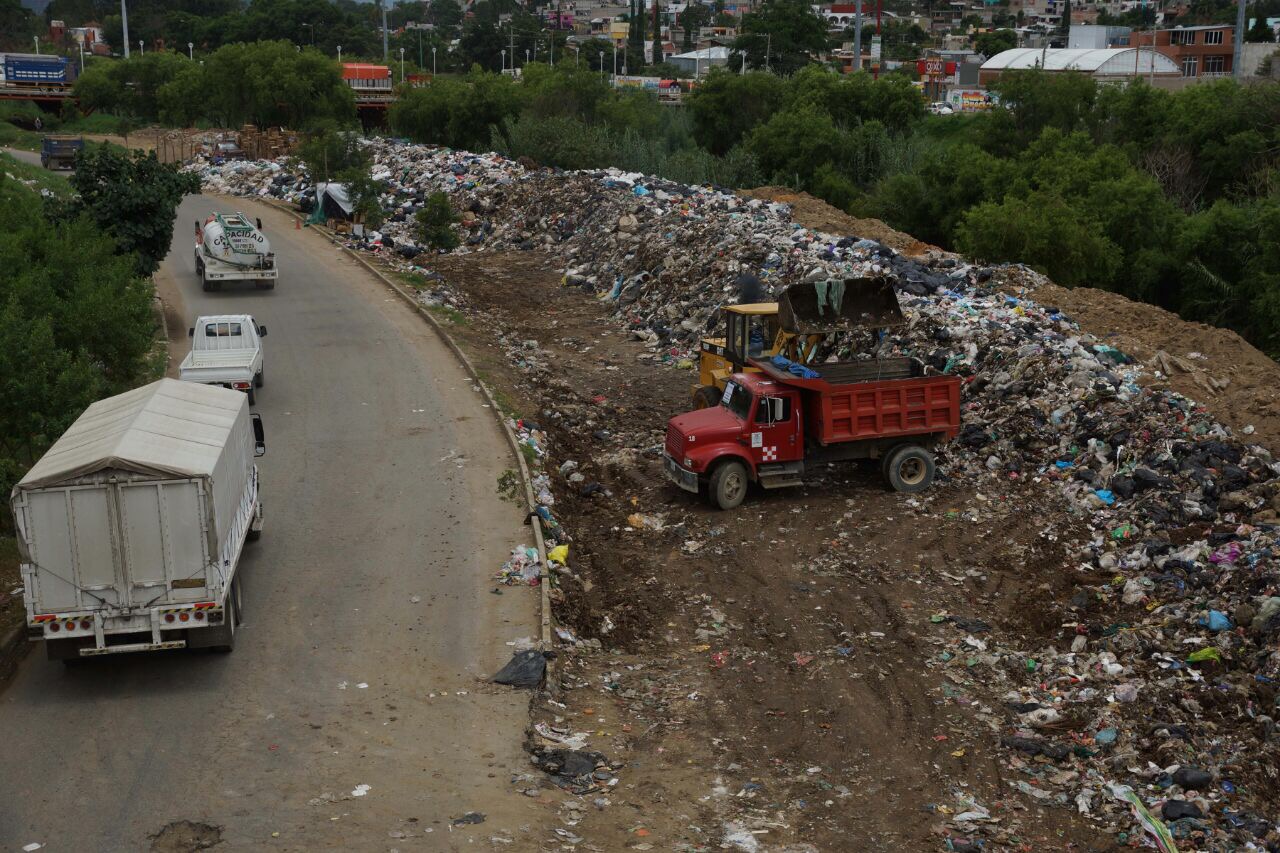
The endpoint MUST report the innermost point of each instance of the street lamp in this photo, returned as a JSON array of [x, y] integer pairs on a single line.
[[339, 54], [190, 55], [402, 65], [615, 61], [526, 56], [433, 61], [142, 50], [504, 59], [37, 45], [602, 63]]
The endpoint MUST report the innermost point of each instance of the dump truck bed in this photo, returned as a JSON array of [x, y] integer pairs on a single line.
[[873, 399]]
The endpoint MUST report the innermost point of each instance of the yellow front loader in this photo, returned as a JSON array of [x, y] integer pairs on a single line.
[[794, 327]]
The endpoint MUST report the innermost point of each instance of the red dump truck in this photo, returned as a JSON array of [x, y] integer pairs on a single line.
[[784, 408]]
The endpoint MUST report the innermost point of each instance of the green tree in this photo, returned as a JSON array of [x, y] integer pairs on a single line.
[[782, 35], [1043, 231], [330, 151], [17, 25], [726, 106], [996, 41], [133, 197], [694, 17], [435, 223]]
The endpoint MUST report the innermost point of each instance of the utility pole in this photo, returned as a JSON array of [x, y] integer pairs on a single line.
[[383, 4], [768, 48], [878, 61], [1236, 59], [124, 26], [857, 36], [512, 27]]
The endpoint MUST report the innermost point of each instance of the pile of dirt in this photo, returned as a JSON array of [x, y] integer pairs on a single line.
[[815, 213], [1214, 366]]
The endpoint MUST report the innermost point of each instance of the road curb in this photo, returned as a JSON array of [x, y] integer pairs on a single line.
[[531, 505]]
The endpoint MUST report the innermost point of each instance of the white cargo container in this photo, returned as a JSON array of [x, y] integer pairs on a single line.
[[130, 528]]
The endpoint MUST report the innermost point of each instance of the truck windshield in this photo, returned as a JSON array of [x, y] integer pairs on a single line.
[[736, 399]]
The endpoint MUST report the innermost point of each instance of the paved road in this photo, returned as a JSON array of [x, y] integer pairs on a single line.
[[370, 621], [25, 156]]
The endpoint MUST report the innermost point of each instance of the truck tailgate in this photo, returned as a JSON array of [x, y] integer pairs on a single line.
[[116, 545]]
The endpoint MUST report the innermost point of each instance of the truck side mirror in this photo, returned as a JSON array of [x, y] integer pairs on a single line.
[[262, 331], [191, 331], [775, 409], [259, 436], [197, 227], [258, 222]]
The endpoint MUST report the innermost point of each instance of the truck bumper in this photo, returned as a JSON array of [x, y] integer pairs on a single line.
[[682, 477], [149, 630]]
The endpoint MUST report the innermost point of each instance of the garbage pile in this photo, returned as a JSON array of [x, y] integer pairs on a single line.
[[1164, 674]]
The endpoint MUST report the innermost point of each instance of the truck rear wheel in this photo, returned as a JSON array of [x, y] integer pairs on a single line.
[[728, 487], [706, 397], [258, 380], [252, 398], [910, 469]]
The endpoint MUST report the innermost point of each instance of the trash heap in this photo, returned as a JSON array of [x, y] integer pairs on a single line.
[[1162, 679]]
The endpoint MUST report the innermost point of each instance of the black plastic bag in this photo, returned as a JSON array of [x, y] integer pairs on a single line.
[[525, 669]]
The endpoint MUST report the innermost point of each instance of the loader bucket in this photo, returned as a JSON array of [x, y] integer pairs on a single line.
[[839, 305]]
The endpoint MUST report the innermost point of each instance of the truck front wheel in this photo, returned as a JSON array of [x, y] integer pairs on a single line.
[[910, 469], [728, 487]]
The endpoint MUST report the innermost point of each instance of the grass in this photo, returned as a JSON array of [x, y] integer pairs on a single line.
[[450, 315], [42, 180]]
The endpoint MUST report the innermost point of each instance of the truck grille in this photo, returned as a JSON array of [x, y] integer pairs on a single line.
[[675, 442]]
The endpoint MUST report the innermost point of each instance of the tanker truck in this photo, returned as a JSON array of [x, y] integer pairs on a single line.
[[231, 247]]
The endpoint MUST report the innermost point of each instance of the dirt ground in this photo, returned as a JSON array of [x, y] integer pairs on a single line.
[[815, 213], [773, 670]]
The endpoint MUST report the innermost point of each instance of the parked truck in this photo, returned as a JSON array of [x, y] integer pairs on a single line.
[[231, 247], [58, 151], [778, 418], [226, 350], [131, 527], [37, 71]]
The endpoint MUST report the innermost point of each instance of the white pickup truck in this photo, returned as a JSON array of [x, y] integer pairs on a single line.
[[226, 350], [131, 527]]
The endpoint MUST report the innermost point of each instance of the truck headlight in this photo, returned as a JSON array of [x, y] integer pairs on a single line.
[[688, 463]]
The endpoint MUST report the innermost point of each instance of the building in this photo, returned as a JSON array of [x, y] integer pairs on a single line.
[[1197, 51], [699, 62], [1089, 37], [1102, 64]]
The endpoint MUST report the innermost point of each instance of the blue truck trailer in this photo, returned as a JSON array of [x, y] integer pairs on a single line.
[[32, 70]]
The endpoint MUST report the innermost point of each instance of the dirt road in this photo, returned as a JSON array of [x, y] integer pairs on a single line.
[[355, 710]]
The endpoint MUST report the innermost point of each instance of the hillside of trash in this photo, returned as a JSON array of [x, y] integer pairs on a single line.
[[1088, 600]]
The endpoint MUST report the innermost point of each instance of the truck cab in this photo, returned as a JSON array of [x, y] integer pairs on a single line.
[[758, 424], [226, 350]]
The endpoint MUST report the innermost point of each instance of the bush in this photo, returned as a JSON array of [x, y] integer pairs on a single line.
[[435, 224]]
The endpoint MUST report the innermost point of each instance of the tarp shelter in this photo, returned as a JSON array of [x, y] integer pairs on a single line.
[[332, 202]]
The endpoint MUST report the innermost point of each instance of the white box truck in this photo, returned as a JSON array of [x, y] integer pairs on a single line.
[[226, 350], [131, 527], [230, 247]]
